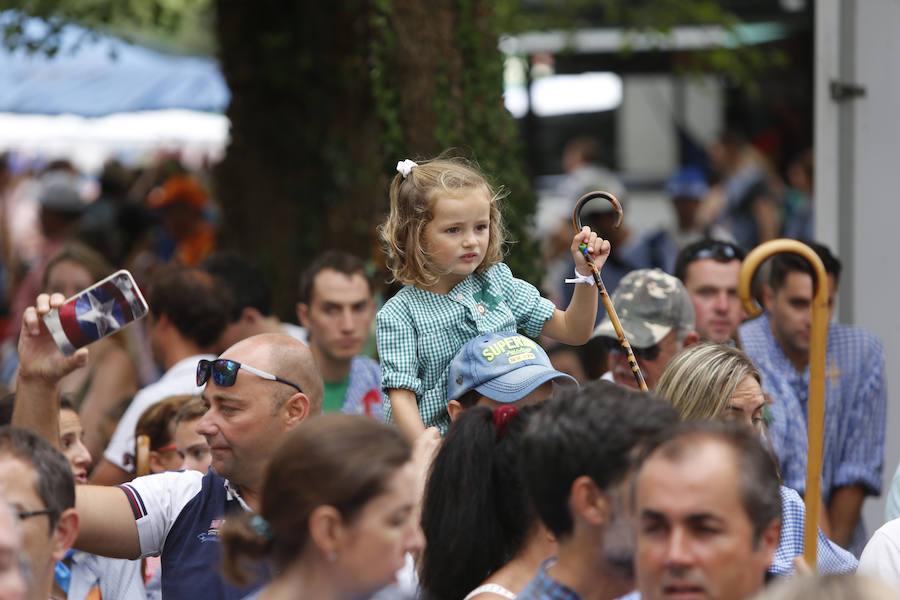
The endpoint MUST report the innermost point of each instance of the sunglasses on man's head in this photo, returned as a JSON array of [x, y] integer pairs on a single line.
[[722, 251], [649, 353], [224, 372]]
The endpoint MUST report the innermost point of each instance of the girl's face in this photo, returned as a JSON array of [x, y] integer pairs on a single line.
[[68, 278], [71, 440], [457, 236], [375, 543]]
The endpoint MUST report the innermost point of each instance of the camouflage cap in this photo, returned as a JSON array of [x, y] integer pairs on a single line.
[[650, 303]]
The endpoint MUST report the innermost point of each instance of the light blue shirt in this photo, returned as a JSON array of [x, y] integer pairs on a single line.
[[830, 558], [855, 406]]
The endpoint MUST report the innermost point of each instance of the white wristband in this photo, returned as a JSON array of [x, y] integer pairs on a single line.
[[579, 278]]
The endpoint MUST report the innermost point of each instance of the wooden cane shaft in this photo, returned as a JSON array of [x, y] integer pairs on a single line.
[[617, 325], [632, 361], [604, 295], [818, 343]]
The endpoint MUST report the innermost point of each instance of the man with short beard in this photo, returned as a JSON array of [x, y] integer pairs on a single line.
[[578, 452]]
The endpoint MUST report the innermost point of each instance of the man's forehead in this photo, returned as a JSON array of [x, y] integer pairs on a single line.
[[15, 474], [223, 394], [331, 285], [706, 268], [696, 465]]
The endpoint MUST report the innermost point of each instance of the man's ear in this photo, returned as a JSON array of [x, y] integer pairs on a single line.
[[303, 314], [65, 533], [768, 540], [454, 409], [588, 502], [162, 322], [156, 465], [295, 410], [690, 339], [250, 315]]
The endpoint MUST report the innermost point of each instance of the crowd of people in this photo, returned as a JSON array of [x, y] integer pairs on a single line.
[[213, 450]]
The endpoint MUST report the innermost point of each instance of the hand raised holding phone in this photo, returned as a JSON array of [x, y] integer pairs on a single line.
[[96, 312]]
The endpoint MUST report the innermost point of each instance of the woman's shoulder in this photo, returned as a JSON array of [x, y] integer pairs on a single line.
[[490, 591]]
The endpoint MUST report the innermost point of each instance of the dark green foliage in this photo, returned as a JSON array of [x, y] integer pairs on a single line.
[[328, 97]]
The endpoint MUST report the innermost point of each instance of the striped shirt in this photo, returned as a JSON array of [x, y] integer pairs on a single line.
[[855, 405], [419, 332]]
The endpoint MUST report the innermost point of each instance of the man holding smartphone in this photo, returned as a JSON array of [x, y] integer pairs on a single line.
[[256, 391], [189, 309]]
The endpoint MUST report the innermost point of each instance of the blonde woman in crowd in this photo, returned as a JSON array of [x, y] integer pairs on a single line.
[[717, 381]]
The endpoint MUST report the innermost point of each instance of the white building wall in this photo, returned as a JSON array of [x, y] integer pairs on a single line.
[[857, 164]]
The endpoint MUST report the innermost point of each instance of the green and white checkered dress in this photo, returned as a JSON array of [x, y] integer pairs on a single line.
[[419, 332]]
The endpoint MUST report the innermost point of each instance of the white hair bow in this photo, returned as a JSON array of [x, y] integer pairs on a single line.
[[405, 166]]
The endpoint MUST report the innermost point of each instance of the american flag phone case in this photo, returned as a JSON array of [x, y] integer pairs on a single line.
[[96, 312]]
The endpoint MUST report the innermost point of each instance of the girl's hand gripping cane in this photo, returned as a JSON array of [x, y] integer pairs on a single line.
[[595, 273]]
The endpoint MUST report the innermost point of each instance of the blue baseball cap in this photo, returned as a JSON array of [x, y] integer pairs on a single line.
[[503, 366], [687, 182]]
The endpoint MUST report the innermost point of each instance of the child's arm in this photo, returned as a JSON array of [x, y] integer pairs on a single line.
[[406, 413], [396, 336], [575, 325]]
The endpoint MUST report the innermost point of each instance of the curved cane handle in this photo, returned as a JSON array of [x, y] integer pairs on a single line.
[[576, 213], [604, 295], [818, 341]]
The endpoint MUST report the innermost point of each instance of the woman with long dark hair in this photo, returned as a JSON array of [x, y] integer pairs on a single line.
[[484, 539]]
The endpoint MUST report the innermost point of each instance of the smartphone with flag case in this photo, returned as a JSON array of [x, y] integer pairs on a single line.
[[96, 312]]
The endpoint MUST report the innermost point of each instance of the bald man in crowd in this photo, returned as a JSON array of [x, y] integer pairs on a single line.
[[256, 391]]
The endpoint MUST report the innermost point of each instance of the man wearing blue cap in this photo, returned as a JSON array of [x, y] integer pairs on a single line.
[[500, 368], [686, 188]]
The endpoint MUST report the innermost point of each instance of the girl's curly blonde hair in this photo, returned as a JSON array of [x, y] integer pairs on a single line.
[[412, 200]]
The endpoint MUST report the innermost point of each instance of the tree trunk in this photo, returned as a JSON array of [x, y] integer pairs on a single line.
[[327, 97]]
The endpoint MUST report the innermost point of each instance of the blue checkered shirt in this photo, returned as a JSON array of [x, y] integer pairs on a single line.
[[544, 587], [830, 558], [419, 332], [855, 405]]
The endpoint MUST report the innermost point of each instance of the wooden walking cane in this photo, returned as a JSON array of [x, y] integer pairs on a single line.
[[607, 303], [818, 340]]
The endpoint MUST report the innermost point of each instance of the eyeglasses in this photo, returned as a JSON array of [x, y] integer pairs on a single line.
[[717, 250], [27, 514], [224, 372], [169, 448], [649, 353]]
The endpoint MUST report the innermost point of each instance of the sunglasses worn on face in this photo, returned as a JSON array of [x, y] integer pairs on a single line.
[[651, 353], [224, 373]]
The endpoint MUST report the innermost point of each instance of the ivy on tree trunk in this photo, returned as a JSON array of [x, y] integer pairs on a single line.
[[327, 97]]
